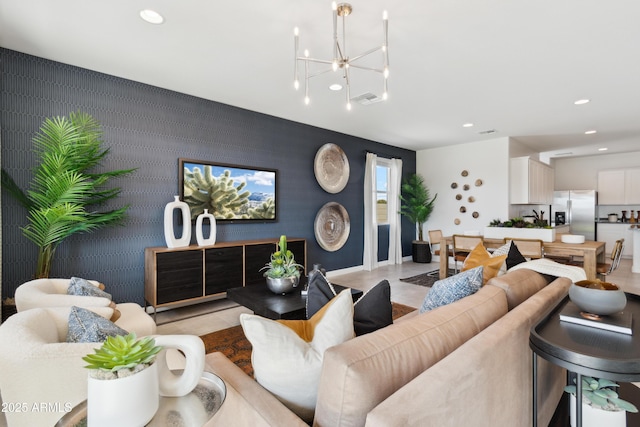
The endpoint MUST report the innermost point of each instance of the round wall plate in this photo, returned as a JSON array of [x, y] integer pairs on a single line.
[[331, 168], [332, 226]]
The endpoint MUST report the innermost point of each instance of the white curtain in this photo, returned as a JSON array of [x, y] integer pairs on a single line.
[[370, 253], [395, 229]]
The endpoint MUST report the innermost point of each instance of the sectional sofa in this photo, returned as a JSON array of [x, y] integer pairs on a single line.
[[466, 363]]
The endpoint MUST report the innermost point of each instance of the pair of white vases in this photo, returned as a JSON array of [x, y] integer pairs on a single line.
[[185, 239]]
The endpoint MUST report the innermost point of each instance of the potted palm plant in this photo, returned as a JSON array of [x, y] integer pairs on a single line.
[[282, 272], [66, 189], [600, 403], [417, 205], [123, 382]]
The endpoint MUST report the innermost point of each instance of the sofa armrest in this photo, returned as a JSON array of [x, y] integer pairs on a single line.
[[247, 402]]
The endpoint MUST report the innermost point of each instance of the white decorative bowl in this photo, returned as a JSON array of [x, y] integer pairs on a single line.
[[572, 238]]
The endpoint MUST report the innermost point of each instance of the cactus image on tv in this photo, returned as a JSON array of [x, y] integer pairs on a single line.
[[229, 192]]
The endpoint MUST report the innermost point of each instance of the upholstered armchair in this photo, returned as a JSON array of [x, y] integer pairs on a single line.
[[39, 369], [41, 293]]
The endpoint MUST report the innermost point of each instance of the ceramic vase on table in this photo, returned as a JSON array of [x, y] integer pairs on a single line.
[[169, 232], [594, 417], [211, 240]]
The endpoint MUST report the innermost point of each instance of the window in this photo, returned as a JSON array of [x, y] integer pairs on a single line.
[[382, 192]]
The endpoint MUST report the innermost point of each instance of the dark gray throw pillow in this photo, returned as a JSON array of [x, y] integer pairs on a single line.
[[319, 292], [82, 287], [373, 310], [87, 326], [514, 257]]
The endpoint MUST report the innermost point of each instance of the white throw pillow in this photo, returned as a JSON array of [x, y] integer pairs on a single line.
[[287, 365]]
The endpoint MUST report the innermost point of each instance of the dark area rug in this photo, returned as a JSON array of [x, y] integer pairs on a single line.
[[426, 279], [237, 348]]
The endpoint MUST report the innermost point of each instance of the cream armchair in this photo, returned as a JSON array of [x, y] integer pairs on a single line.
[[40, 371], [41, 293]]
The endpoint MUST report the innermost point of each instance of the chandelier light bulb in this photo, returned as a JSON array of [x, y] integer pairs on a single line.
[[306, 53], [334, 6], [385, 15], [346, 65], [296, 32], [386, 72], [385, 96], [334, 65], [348, 106], [296, 84], [306, 100]]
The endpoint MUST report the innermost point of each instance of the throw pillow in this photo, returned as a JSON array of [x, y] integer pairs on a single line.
[[319, 292], [287, 355], [87, 326], [480, 257], [514, 257], [502, 250], [373, 310], [82, 287], [452, 289]]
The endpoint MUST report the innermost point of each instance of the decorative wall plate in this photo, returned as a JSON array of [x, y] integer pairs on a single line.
[[464, 173], [471, 199], [332, 226], [478, 182], [463, 209], [456, 221], [466, 187], [475, 214], [458, 196], [331, 168], [454, 185]]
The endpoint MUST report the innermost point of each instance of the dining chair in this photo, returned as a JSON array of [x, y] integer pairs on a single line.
[[529, 248], [603, 269], [435, 236], [462, 245]]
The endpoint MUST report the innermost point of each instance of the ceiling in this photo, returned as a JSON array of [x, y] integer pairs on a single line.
[[512, 66]]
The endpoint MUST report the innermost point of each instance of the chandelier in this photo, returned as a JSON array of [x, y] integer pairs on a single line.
[[341, 60]]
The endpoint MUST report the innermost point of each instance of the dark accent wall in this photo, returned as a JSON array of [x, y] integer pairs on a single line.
[[149, 128]]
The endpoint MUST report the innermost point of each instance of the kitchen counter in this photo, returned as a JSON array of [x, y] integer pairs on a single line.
[[617, 222]]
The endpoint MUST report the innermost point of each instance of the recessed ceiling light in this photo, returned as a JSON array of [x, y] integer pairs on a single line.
[[582, 101], [151, 16], [467, 125], [603, 149], [335, 86], [590, 132]]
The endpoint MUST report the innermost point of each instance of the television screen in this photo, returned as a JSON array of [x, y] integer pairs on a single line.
[[229, 192]]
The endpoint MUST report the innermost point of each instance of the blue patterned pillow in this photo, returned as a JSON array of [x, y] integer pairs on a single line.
[[452, 289], [82, 287], [87, 326]]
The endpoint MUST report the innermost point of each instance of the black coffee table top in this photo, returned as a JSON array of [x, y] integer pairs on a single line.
[[265, 303], [587, 350]]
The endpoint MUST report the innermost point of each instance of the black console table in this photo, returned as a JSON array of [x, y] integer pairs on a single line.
[[585, 350]]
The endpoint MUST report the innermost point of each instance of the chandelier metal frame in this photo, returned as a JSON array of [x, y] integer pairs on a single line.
[[341, 60]]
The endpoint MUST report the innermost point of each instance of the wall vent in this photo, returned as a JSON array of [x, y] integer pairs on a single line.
[[487, 132], [366, 99]]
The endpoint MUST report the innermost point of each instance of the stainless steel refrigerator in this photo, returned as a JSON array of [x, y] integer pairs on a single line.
[[579, 207]]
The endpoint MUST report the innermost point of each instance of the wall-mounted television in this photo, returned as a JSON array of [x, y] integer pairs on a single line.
[[230, 192]]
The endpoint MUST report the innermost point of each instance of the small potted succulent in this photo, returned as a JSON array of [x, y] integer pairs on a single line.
[[123, 382], [282, 272], [600, 403]]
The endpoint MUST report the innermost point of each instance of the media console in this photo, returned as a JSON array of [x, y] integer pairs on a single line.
[[193, 274]]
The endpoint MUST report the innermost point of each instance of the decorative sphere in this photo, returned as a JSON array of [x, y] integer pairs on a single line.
[[596, 297]]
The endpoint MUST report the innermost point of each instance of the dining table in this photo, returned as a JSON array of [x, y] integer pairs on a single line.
[[592, 253]]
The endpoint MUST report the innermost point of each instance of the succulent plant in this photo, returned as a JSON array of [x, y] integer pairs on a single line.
[[599, 393], [123, 352], [282, 263]]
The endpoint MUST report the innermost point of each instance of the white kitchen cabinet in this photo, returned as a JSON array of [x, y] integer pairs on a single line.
[[609, 233], [619, 187], [531, 182]]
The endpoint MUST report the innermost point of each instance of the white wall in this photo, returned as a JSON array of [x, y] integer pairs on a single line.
[[581, 173], [486, 160]]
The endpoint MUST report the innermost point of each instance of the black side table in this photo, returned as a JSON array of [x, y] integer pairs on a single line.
[[585, 350]]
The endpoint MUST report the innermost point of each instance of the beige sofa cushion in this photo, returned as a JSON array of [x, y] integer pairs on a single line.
[[519, 285], [359, 374], [491, 374]]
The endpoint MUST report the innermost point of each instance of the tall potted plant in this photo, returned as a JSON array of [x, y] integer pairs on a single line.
[[66, 189], [417, 205]]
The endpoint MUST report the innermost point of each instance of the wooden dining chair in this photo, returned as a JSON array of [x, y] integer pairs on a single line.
[[529, 248], [603, 269], [462, 245], [435, 236]]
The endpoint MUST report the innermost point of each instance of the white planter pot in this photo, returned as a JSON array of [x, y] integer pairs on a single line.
[[544, 234], [592, 417], [123, 402]]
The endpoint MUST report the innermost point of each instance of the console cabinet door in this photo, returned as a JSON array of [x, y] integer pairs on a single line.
[[223, 269], [179, 276], [256, 256]]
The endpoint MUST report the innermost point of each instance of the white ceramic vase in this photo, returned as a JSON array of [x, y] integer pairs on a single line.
[[211, 240], [123, 402], [593, 417], [169, 233]]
